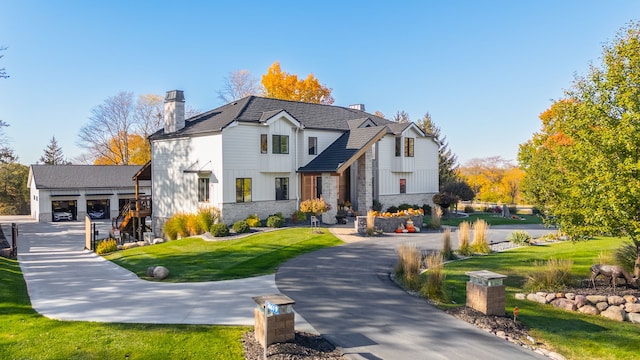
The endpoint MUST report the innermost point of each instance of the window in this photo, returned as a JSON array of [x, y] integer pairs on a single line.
[[243, 189], [403, 186], [203, 189], [313, 145], [280, 144], [263, 144], [398, 146], [408, 147], [282, 188]]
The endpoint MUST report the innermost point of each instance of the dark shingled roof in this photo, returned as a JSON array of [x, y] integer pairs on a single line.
[[84, 176], [257, 109], [345, 149]]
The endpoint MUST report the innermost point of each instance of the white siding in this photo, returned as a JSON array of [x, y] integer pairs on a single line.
[[325, 138]]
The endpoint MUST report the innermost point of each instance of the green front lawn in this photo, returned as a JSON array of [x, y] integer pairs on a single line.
[[24, 334], [194, 259], [491, 219], [572, 334]]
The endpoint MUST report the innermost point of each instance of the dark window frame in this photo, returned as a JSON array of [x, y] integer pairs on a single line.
[[408, 146], [280, 144], [282, 188], [264, 144], [398, 146], [242, 194], [313, 145], [403, 186], [203, 189]]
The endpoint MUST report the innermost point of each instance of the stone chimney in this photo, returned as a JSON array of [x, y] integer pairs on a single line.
[[173, 111], [357, 107]]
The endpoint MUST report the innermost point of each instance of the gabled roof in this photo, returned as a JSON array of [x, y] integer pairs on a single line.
[[345, 150], [83, 176], [256, 109]]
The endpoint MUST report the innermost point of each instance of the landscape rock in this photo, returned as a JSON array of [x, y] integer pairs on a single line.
[[160, 272], [634, 317], [602, 306], [632, 307], [570, 296], [630, 299], [594, 299], [150, 271], [589, 309], [158, 241], [520, 296], [141, 243], [615, 300], [130, 246], [550, 297], [613, 313], [537, 298], [565, 304], [581, 300]]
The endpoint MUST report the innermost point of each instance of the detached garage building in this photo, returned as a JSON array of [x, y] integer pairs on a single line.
[[82, 189]]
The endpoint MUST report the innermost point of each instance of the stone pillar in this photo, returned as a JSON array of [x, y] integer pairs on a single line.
[[330, 196], [364, 182], [486, 293]]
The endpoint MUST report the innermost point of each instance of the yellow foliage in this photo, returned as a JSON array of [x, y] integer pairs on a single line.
[[135, 151], [281, 85], [316, 206]]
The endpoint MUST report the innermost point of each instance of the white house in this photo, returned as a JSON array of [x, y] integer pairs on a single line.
[[82, 189], [262, 156]]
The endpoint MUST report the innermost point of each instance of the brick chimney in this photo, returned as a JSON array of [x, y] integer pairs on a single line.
[[173, 111]]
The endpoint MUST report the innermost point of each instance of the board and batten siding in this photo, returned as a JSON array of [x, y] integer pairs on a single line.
[[325, 138]]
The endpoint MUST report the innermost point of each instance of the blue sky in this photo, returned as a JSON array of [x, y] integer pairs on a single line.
[[484, 70]]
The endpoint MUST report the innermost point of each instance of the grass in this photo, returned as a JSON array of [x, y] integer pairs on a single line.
[[572, 334], [27, 335], [193, 259], [491, 219]]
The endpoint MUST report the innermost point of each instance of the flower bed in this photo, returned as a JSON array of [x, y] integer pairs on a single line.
[[390, 224]]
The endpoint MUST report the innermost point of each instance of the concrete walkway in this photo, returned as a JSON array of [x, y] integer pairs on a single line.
[[66, 282]]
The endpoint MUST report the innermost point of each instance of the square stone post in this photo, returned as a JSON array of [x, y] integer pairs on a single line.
[[330, 196], [364, 182], [486, 293]]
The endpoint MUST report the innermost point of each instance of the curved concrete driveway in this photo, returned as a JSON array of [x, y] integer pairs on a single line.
[[346, 294], [66, 282]]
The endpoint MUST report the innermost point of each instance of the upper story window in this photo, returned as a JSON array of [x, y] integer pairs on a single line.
[[203, 189], [313, 145], [408, 147], [398, 146], [280, 144], [243, 189], [263, 144]]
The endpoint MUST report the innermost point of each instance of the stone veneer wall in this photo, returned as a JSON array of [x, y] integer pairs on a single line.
[[619, 308], [281, 328], [489, 300], [330, 196], [364, 182]]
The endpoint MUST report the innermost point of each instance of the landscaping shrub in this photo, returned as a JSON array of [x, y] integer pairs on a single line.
[[463, 239], [447, 252], [625, 256], [426, 209], [176, 226], [554, 275], [392, 209], [520, 237], [298, 217], [377, 205], [403, 207], [436, 216], [408, 266], [433, 287], [207, 216], [241, 226], [275, 221], [106, 246], [193, 224], [253, 220], [480, 244], [219, 230], [469, 209]]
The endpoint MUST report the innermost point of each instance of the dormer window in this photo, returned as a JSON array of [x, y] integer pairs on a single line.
[[313, 145], [398, 146], [408, 147]]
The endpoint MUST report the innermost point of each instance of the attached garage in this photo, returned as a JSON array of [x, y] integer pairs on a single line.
[[81, 190]]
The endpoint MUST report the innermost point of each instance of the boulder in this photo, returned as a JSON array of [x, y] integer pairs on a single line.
[[158, 241], [141, 243], [613, 313], [564, 304], [520, 296], [589, 309], [160, 272], [550, 297], [130, 246], [594, 299], [634, 317], [602, 306], [630, 299], [150, 271], [615, 300], [581, 300], [537, 298], [560, 295], [570, 296], [632, 307]]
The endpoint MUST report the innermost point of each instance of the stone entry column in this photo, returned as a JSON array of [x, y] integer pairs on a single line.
[[330, 196], [364, 182]]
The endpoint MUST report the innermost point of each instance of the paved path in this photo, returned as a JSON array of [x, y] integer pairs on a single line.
[[346, 294], [66, 282]]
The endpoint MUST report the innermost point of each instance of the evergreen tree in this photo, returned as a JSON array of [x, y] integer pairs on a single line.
[[447, 160], [53, 154]]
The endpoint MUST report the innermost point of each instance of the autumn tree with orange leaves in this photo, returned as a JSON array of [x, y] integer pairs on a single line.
[[278, 84]]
